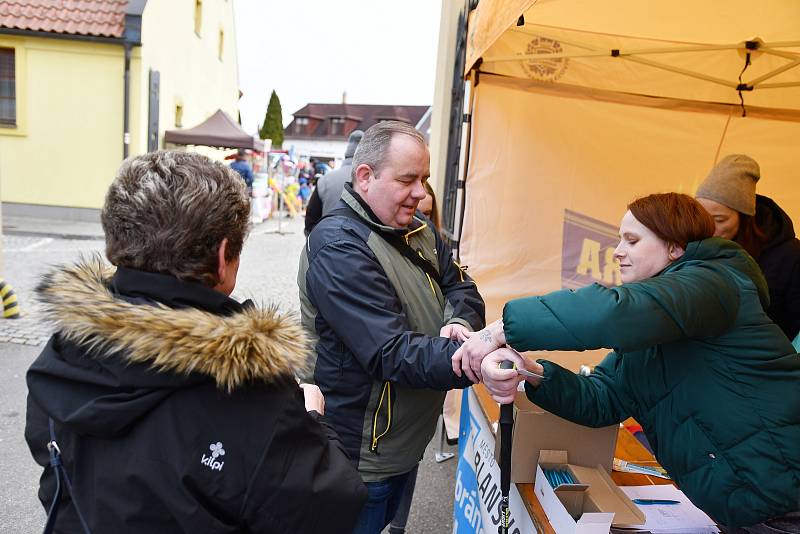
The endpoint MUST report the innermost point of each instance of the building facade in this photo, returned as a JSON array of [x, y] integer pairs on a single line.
[[84, 83], [321, 130]]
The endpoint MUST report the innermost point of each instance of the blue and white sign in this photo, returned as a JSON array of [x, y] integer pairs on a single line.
[[477, 498]]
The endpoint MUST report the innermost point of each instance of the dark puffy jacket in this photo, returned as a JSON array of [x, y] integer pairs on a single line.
[[780, 262], [377, 315], [714, 383], [184, 416]]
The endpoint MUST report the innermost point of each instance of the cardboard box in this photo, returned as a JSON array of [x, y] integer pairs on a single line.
[[591, 506], [536, 429]]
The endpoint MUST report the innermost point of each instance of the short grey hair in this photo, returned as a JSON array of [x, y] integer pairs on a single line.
[[168, 211], [375, 144]]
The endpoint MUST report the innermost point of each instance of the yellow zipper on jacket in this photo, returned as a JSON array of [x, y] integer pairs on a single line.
[[409, 234], [385, 392]]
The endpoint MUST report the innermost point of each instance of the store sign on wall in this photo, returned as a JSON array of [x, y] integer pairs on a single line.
[[587, 252]]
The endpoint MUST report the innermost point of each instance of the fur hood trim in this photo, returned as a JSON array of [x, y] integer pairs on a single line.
[[254, 345]]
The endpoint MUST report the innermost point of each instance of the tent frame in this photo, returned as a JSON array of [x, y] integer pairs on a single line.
[[634, 55]]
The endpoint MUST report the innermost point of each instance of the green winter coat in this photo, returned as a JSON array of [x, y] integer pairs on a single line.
[[713, 382]]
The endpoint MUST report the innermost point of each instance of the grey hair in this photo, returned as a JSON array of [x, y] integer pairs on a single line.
[[374, 145], [168, 211]]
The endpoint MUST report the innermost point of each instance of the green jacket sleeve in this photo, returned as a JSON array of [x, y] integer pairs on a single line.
[[596, 400], [695, 301]]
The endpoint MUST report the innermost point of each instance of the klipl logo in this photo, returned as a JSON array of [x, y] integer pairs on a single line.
[[211, 461]]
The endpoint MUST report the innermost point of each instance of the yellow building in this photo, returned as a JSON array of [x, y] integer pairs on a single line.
[[72, 71]]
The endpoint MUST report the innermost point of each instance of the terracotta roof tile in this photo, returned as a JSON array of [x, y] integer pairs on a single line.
[[103, 18]]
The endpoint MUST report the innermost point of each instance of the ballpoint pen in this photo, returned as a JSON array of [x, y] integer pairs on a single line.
[[656, 501], [524, 372]]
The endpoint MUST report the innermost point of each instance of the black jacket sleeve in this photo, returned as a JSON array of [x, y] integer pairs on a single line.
[[360, 305], [305, 481], [313, 212], [464, 304]]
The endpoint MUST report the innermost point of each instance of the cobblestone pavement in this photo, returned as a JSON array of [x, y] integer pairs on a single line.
[[25, 259], [267, 273]]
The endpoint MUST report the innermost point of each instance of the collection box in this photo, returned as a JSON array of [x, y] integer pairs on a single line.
[[536, 429], [589, 506]]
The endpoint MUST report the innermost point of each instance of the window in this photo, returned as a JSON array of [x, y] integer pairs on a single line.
[[198, 16], [221, 47], [301, 125], [337, 126], [8, 88]]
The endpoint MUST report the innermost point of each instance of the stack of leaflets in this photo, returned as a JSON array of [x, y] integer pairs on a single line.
[[668, 511], [628, 467]]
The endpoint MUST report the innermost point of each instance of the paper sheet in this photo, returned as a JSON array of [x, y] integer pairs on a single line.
[[683, 518]]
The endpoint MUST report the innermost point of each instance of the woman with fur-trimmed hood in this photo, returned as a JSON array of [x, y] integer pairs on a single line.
[[175, 407]]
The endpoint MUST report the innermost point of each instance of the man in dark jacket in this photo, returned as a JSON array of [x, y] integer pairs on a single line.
[[174, 406], [330, 186], [381, 291]]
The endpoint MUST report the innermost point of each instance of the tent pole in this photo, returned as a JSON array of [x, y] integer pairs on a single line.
[[449, 200], [678, 70], [779, 85], [774, 73], [461, 190], [605, 53]]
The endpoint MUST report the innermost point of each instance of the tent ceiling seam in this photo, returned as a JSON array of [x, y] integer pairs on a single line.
[[778, 44], [595, 52], [540, 34]]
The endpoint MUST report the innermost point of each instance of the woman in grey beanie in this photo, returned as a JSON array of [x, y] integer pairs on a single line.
[[762, 228]]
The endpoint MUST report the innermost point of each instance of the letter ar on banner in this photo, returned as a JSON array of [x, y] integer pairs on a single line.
[[587, 254], [476, 508]]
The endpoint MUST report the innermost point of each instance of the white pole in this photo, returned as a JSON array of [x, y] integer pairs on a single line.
[[280, 197]]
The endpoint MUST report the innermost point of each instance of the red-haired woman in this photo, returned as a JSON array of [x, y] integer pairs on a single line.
[[712, 380]]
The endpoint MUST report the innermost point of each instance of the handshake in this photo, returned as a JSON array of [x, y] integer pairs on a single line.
[[481, 355]]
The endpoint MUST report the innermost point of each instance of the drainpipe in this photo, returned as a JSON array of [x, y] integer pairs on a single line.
[[126, 132], [132, 36]]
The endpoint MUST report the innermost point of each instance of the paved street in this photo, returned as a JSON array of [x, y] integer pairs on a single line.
[[267, 274]]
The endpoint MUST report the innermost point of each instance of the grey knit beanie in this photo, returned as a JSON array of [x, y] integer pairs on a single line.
[[352, 143], [732, 183]]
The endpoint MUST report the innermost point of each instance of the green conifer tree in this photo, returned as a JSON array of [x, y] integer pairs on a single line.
[[273, 122]]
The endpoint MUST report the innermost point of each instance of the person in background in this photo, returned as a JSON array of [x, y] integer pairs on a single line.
[[762, 228], [330, 186], [241, 165], [304, 192], [429, 208], [696, 361], [175, 407]]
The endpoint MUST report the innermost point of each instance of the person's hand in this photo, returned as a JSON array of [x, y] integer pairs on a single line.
[[502, 383], [314, 400], [468, 357], [455, 331]]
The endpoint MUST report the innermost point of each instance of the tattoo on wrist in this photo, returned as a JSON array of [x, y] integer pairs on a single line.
[[486, 337]]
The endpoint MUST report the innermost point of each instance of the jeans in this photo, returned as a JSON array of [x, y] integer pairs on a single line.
[[787, 524], [398, 525], [382, 502]]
